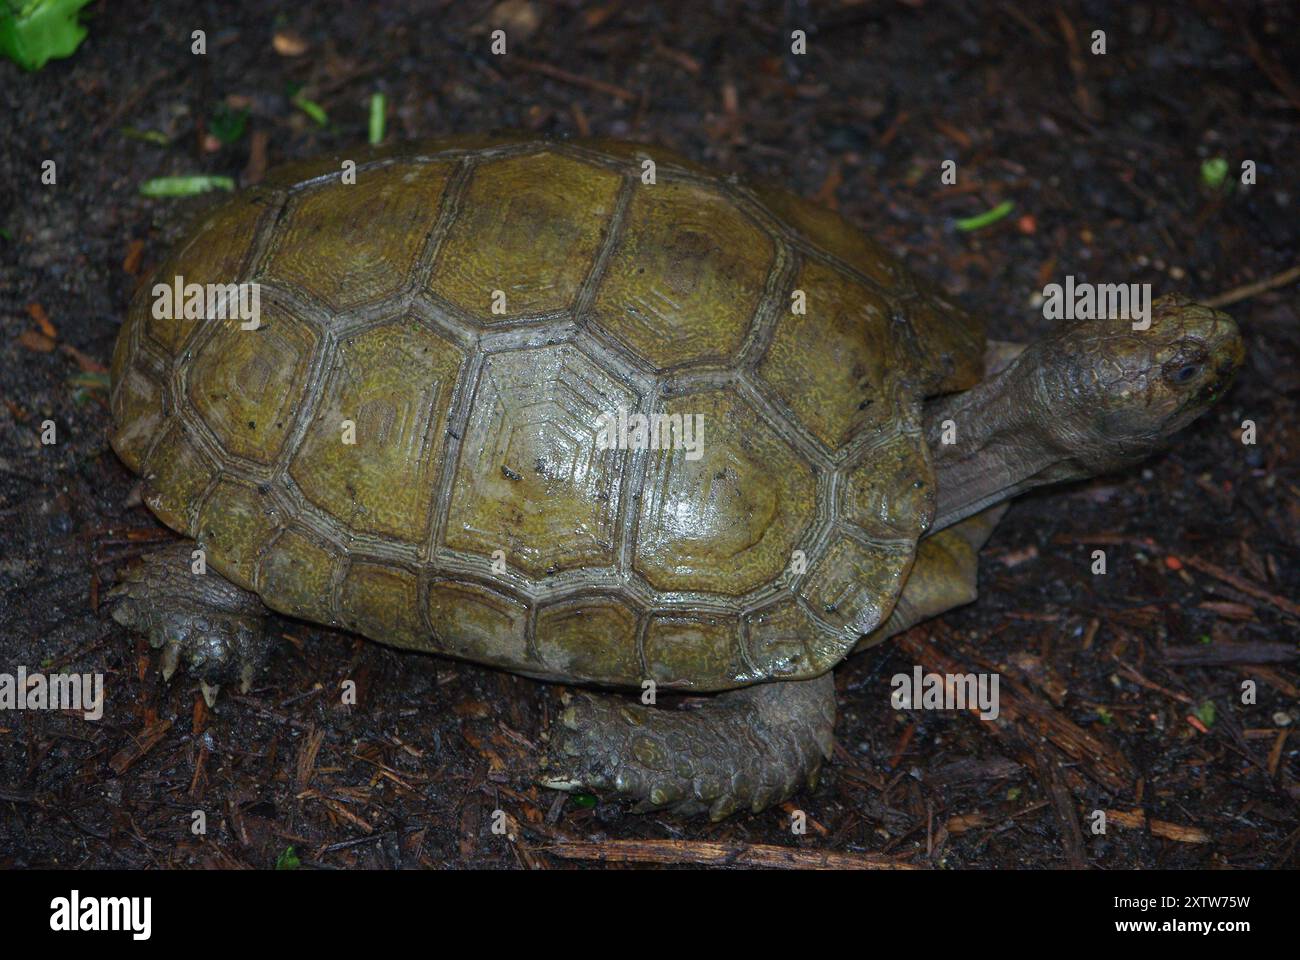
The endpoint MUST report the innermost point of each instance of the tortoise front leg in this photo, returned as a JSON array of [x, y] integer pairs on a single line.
[[746, 748], [219, 628]]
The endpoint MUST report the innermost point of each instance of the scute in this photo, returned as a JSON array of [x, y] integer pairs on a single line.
[[479, 623], [529, 226], [889, 494], [854, 585], [137, 403], [829, 231], [246, 384], [683, 651], [779, 637], [476, 432], [217, 254], [353, 244], [235, 523], [830, 365], [382, 600], [589, 639], [176, 474], [728, 521], [393, 384], [686, 277], [296, 576], [531, 478], [948, 341]]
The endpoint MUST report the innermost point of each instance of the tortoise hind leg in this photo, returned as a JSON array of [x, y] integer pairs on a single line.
[[746, 748], [217, 627]]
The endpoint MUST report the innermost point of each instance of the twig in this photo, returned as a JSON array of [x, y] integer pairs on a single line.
[[1176, 831], [1229, 651], [1251, 289], [713, 853], [1063, 803], [564, 76], [139, 746], [1242, 584], [1272, 69]]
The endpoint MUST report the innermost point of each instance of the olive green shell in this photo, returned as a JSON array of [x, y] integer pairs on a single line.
[[475, 430]]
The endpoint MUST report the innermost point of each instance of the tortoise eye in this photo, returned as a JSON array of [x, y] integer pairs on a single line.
[[1184, 369]]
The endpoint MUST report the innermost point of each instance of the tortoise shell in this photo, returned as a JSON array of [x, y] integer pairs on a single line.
[[473, 307]]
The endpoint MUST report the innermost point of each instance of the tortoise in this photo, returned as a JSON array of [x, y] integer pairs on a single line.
[[481, 312]]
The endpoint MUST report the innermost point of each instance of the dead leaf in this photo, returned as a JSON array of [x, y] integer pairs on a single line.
[[287, 43], [37, 313], [35, 340]]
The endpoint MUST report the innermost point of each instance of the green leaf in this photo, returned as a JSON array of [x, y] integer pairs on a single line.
[[312, 109], [979, 221], [378, 104], [288, 860], [185, 186], [148, 136], [228, 125], [584, 800], [1107, 718], [40, 30], [89, 380], [1214, 173], [1206, 713]]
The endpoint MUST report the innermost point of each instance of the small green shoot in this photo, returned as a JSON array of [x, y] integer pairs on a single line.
[[982, 220], [288, 860], [89, 380], [147, 136], [378, 105], [1214, 173], [185, 186], [1206, 713], [312, 109], [585, 800]]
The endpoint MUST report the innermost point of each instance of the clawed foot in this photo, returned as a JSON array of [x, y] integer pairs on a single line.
[[748, 748], [217, 628]]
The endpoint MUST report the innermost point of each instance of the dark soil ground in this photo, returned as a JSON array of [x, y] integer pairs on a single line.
[[1121, 692]]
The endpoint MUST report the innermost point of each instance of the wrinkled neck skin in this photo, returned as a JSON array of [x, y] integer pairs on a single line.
[[1004, 445]]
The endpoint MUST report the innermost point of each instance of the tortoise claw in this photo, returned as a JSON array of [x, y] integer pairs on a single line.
[[171, 658], [217, 628], [210, 692]]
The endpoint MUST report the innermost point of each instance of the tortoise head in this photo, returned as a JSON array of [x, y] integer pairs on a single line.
[[1114, 394]]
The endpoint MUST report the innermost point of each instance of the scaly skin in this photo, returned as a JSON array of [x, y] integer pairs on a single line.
[[219, 628], [1092, 397], [748, 748]]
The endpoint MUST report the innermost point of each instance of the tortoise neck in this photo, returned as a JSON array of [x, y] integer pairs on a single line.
[[990, 443]]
